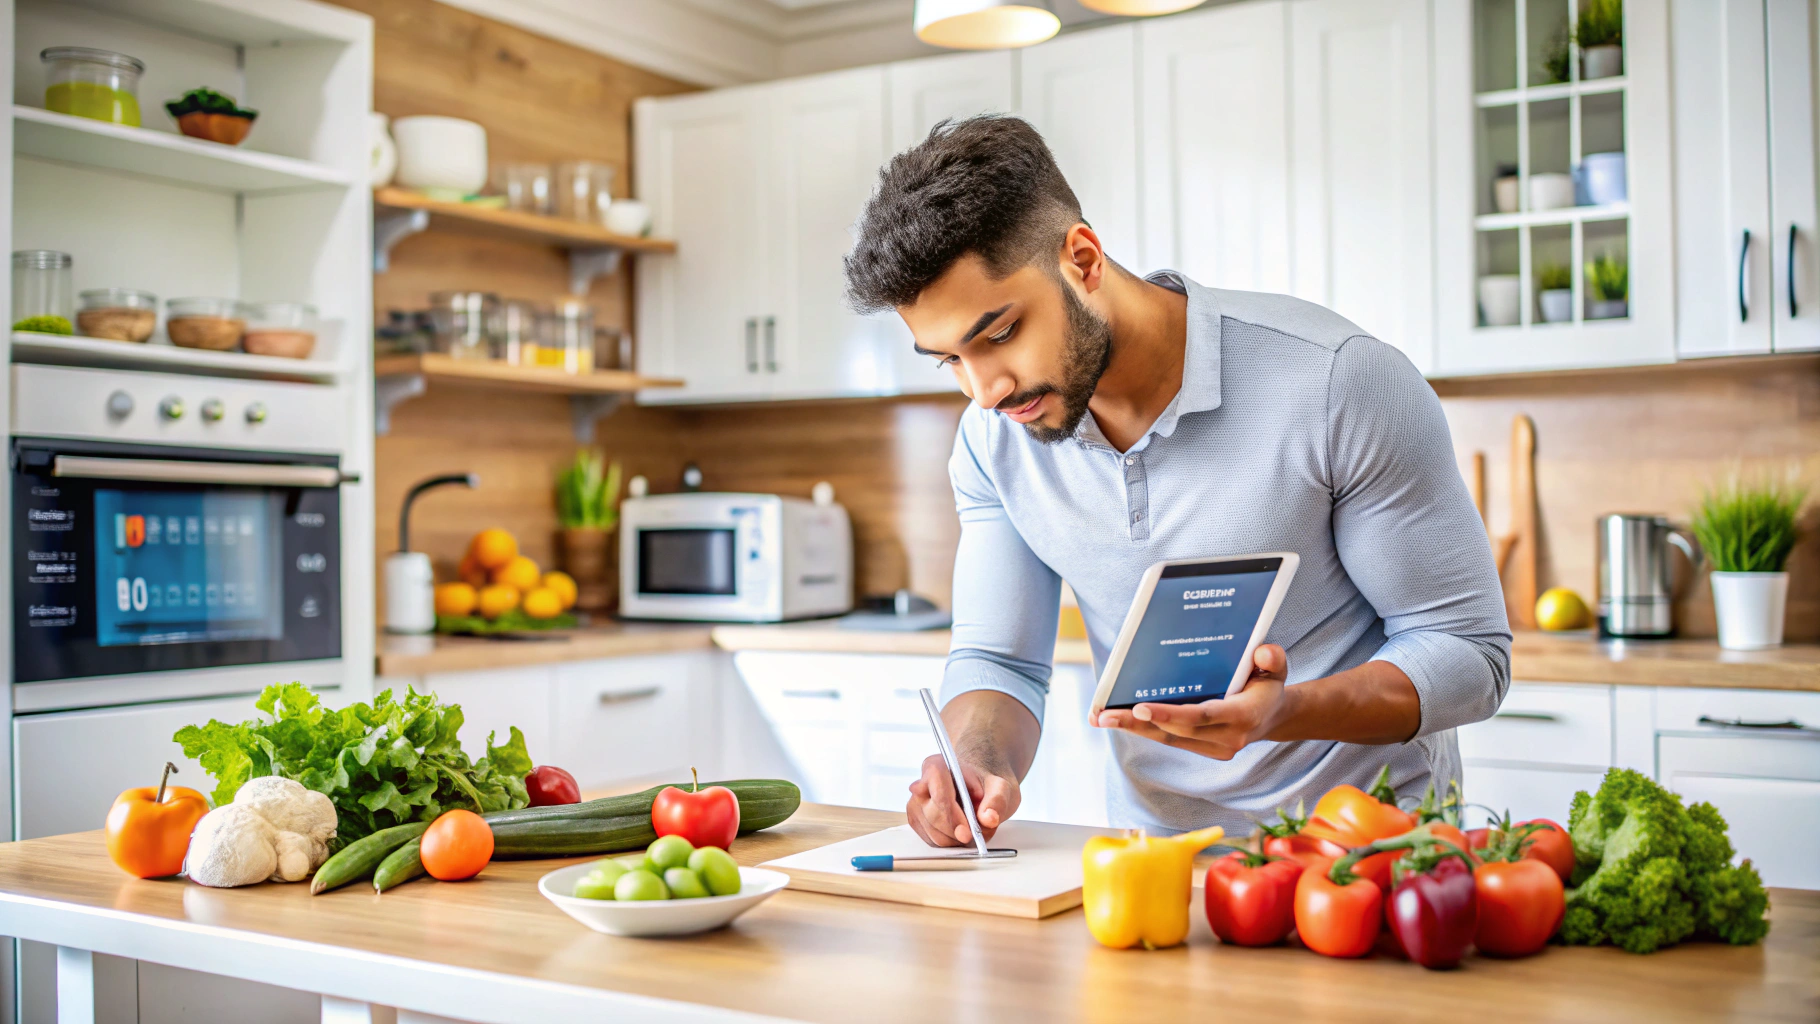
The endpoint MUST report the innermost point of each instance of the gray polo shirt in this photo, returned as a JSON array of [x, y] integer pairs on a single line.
[[1293, 431]]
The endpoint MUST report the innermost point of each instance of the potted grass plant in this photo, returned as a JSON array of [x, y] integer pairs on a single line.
[[1599, 32], [1607, 287], [587, 508], [1747, 530], [1555, 284]]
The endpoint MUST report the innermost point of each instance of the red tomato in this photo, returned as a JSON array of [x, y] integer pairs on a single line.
[[1251, 906], [1376, 868], [1303, 849], [1552, 846], [548, 784], [456, 846], [1520, 906], [705, 817], [1337, 920]]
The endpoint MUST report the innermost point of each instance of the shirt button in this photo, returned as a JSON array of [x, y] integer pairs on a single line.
[[1130, 459], [1137, 516]]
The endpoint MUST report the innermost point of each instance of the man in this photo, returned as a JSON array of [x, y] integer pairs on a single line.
[[1117, 422]]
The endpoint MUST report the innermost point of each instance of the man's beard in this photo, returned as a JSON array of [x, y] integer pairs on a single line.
[[1088, 350]]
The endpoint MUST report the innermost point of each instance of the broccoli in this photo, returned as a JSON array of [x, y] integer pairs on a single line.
[[47, 323], [1649, 872]]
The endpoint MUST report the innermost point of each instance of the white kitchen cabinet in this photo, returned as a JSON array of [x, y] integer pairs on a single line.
[[644, 717], [1546, 742], [1744, 168], [1080, 91], [1360, 152], [1215, 145], [1495, 110], [494, 701], [1527, 792]]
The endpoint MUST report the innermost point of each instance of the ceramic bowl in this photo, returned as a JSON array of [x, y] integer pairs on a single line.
[[1500, 299], [441, 152], [651, 918], [628, 217], [1551, 191]]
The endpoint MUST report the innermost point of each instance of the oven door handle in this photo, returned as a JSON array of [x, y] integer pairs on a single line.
[[248, 474]]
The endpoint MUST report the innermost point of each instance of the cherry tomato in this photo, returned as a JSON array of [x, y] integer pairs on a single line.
[[548, 785], [1520, 906], [456, 846], [1251, 906], [1337, 920], [1303, 849]]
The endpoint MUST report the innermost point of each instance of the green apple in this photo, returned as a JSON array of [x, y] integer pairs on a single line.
[[685, 884], [717, 868], [670, 852], [640, 885]]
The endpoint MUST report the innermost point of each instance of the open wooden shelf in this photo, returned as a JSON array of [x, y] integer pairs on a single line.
[[591, 395], [529, 227]]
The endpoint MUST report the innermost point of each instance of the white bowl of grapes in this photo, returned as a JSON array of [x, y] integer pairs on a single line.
[[670, 889]]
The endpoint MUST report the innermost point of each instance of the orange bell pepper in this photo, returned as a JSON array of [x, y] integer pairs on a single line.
[[148, 830], [1353, 817], [1135, 889]]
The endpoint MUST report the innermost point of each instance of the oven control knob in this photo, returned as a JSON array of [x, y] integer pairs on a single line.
[[212, 410], [171, 408], [255, 412], [120, 405]]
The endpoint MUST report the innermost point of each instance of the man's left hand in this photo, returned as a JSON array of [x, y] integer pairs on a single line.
[[1215, 728]]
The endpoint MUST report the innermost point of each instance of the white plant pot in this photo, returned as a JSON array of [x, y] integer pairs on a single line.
[[441, 152], [1500, 299], [1602, 61], [1504, 194], [1557, 305], [1751, 607], [1551, 191], [1607, 309]]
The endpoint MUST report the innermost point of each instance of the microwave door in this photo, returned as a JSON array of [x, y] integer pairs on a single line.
[[687, 561]]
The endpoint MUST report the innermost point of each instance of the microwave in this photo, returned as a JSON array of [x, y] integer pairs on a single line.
[[717, 557]]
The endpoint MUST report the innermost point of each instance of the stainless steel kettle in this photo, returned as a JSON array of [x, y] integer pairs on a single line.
[[1636, 590]]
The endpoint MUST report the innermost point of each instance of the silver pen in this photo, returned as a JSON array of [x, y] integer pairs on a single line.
[[954, 769]]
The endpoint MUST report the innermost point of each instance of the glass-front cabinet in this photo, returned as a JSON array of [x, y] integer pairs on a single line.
[[1553, 184]]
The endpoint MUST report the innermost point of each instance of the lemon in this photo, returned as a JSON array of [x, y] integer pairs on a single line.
[[497, 600], [543, 603], [564, 585], [520, 572], [1560, 608], [455, 599]]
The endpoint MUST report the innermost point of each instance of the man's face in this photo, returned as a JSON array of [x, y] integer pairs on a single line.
[[1024, 344]]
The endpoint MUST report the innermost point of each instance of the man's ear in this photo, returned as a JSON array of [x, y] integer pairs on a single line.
[[1083, 258]]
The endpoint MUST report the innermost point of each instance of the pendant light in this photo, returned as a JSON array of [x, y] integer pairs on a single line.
[[984, 24], [1139, 8]]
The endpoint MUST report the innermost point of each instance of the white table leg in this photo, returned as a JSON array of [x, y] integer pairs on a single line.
[[75, 986]]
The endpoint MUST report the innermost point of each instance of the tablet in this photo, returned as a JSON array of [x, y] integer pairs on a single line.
[[1192, 628]]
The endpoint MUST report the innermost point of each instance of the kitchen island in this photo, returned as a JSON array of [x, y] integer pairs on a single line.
[[493, 950]]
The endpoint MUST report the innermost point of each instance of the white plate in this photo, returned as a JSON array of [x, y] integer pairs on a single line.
[[644, 918]]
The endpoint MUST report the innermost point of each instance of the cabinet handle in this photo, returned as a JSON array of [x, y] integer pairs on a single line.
[[1793, 310], [1529, 716], [814, 694], [751, 344], [1786, 725], [1743, 278], [771, 344], [627, 696]]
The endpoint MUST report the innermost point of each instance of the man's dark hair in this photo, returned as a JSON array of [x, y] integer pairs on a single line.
[[986, 185]]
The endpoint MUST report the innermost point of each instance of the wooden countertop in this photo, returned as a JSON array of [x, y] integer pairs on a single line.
[[419, 655], [494, 950]]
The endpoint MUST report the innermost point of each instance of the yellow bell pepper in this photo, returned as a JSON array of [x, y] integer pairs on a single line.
[[1136, 888]]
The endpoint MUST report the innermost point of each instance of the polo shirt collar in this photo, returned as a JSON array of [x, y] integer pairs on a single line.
[[1200, 391]]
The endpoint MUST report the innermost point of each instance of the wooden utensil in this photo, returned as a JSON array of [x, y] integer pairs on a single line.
[[1523, 537]]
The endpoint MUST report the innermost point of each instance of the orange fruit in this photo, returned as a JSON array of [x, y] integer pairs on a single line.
[[455, 599], [493, 548], [471, 572], [520, 572], [543, 603], [564, 585], [497, 599]]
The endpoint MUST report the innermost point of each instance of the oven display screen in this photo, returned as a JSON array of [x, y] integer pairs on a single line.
[[186, 566], [686, 561]]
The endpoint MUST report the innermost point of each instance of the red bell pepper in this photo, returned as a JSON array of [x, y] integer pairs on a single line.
[[1434, 909], [1284, 839], [1250, 899]]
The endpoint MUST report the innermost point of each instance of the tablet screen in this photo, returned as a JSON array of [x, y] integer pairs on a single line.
[[1194, 632]]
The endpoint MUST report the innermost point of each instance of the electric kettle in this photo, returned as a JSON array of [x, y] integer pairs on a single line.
[[1636, 589]]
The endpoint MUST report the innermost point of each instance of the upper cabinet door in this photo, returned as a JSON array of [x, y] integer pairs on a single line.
[[1215, 145], [1080, 91], [1360, 148], [827, 142], [1794, 231], [702, 167], [1723, 284]]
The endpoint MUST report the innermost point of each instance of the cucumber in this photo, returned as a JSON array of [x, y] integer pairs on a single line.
[[400, 866], [359, 858], [762, 803], [573, 838]]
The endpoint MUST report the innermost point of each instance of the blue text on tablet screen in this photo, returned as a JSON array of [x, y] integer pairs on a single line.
[[1193, 634]]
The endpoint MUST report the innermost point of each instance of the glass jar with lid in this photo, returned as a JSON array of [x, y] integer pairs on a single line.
[[43, 287], [466, 324], [117, 314], [286, 329], [520, 322], [567, 338], [98, 84], [584, 190]]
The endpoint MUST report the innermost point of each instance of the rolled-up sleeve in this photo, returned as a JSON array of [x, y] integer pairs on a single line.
[[1410, 538], [1006, 600]]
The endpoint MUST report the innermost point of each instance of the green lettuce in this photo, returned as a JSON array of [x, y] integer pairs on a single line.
[[387, 763]]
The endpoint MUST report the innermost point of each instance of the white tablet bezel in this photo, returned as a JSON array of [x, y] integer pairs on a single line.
[[1140, 603]]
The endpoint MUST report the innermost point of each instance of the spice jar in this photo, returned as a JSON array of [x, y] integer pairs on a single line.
[[584, 190], [117, 314], [286, 329], [567, 341], [214, 324], [98, 84], [526, 187], [467, 324], [42, 288], [520, 320]]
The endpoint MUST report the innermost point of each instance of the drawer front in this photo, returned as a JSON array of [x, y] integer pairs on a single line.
[[825, 760], [1542, 724], [1681, 709], [898, 749], [1728, 752], [1774, 822], [1525, 792], [628, 719], [887, 791], [494, 701]]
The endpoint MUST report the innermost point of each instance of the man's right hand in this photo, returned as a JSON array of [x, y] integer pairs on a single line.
[[935, 809]]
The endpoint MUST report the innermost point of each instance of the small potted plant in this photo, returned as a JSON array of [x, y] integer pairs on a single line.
[[587, 507], [1557, 60], [1599, 32], [1747, 531], [207, 114], [1608, 287], [1556, 284]]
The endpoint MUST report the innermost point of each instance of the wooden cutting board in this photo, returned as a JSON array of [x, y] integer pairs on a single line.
[[1043, 879]]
